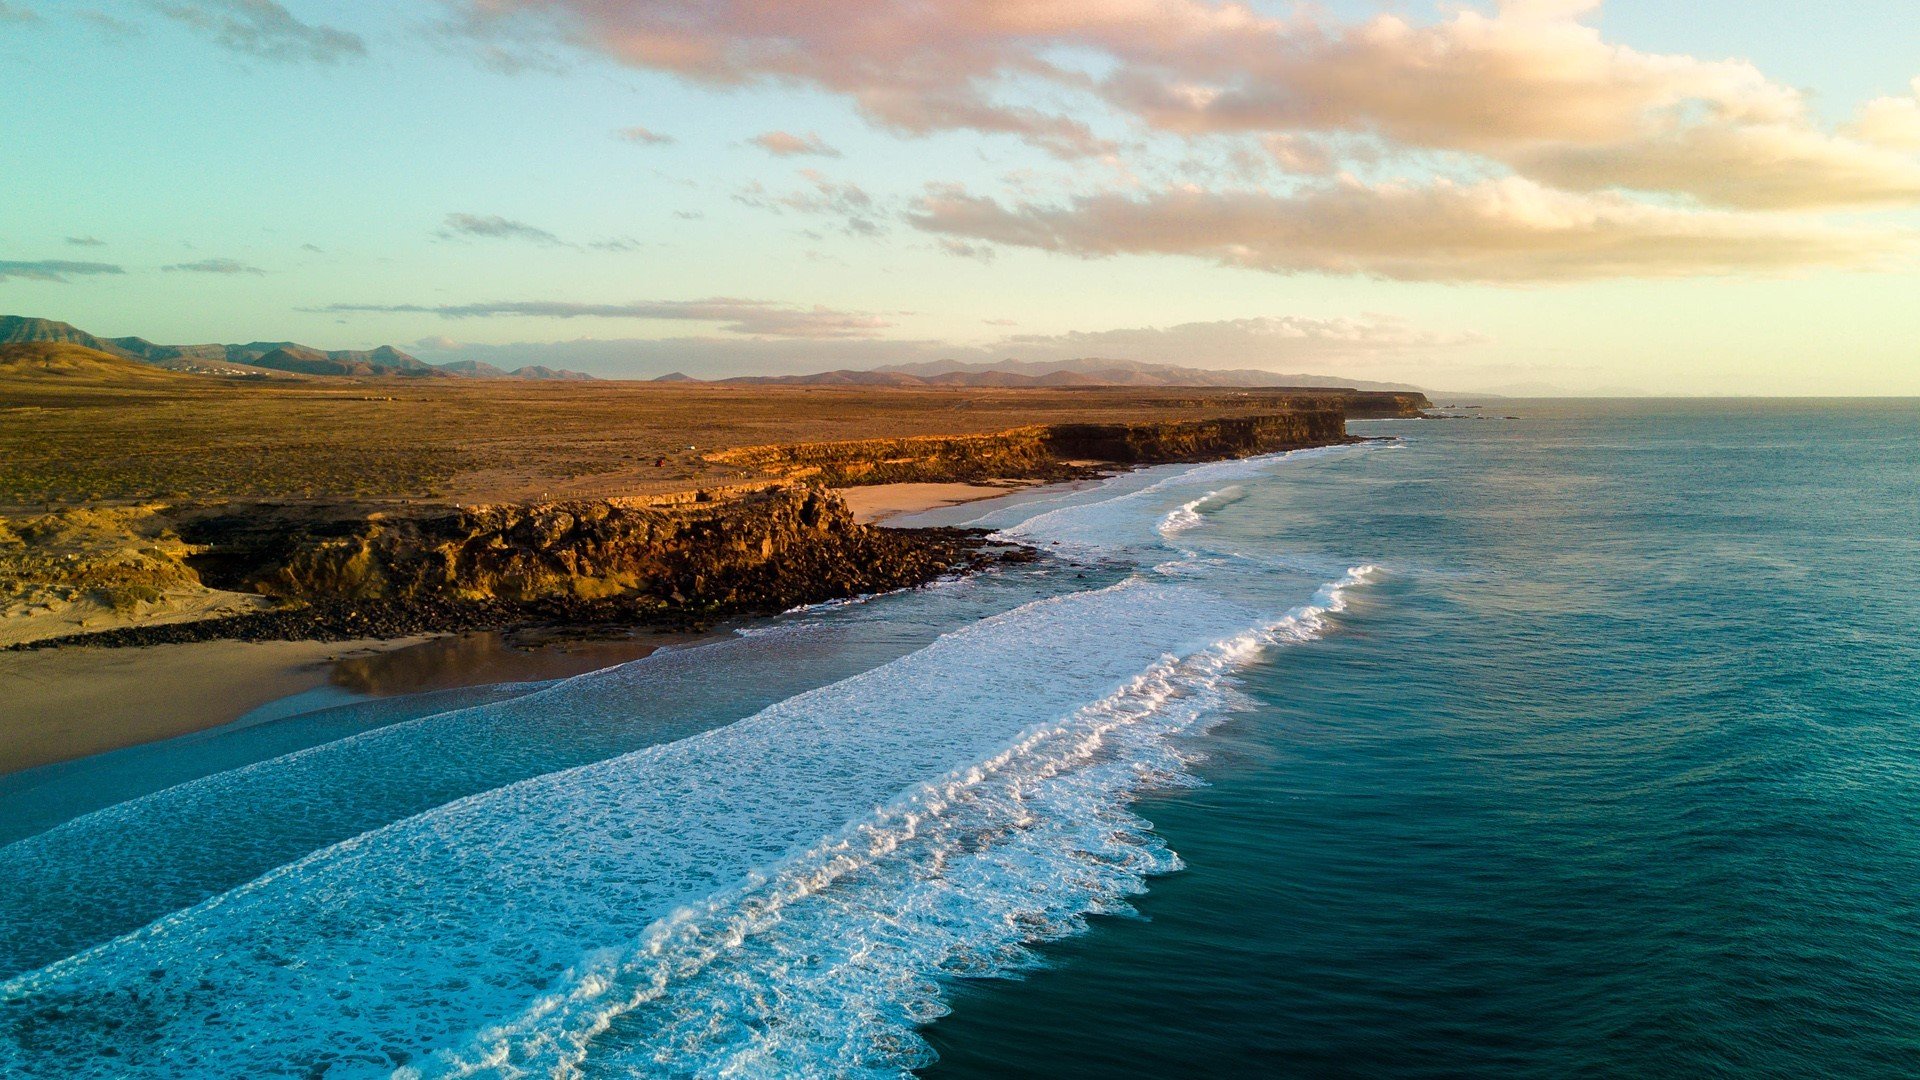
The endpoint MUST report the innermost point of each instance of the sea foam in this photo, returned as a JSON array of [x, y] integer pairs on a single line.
[[826, 964], [118, 868], [779, 896]]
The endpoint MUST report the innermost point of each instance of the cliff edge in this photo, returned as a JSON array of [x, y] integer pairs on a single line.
[[334, 570]]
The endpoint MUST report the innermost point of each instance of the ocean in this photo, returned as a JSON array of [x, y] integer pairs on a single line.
[[1585, 742]]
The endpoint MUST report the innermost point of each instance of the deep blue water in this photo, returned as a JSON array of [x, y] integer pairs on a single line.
[[1616, 773], [1586, 743]]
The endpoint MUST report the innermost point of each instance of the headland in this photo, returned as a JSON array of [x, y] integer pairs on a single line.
[[141, 506]]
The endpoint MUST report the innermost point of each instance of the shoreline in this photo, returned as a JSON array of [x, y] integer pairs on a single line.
[[800, 530], [72, 703], [72, 700], [144, 683]]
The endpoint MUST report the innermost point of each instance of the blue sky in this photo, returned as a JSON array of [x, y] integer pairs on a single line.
[[351, 173]]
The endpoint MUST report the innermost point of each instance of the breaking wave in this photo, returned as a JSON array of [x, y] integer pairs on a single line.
[[778, 896], [1192, 514], [827, 963]]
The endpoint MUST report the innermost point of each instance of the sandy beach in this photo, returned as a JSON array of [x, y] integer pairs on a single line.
[[68, 703], [882, 501], [72, 702]]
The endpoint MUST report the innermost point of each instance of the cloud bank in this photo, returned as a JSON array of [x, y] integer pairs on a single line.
[[1511, 231], [1517, 134], [53, 269], [1262, 342], [735, 316]]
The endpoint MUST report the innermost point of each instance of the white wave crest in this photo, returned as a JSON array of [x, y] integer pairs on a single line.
[[1187, 516], [827, 963], [497, 934]]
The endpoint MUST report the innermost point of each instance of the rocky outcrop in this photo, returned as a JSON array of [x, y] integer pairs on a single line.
[[1386, 404], [346, 570], [80, 569], [773, 546], [1042, 452], [746, 548]]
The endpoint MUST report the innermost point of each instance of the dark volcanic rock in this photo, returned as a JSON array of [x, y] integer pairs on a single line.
[[681, 562], [702, 548], [1046, 452], [857, 561]]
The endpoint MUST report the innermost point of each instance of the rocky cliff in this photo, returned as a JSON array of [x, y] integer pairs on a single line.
[[751, 549], [1385, 404], [1041, 452], [354, 570]]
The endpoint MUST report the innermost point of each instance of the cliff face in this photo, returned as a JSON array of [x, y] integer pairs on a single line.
[[1046, 452], [751, 547], [1199, 440], [768, 547], [1386, 404], [354, 571]]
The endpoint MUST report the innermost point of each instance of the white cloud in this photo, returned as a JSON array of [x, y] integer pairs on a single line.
[[1890, 121]]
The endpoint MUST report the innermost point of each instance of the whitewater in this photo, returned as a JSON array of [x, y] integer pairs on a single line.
[[763, 857]]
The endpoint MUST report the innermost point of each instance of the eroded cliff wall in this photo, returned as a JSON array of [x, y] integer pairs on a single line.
[[768, 547], [1042, 452], [356, 570], [744, 545]]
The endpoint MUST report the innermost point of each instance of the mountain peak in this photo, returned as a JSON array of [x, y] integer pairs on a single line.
[[288, 356]]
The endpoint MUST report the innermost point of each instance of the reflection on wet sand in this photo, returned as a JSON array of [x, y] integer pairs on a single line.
[[483, 657]]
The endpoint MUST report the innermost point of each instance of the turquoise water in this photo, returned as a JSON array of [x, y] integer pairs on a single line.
[[1584, 743], [1616, 772]]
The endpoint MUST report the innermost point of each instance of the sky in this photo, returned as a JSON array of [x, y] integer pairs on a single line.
[[1536, 196]]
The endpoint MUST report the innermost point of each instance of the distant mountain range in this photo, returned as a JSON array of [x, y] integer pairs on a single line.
[[480, 369], [1088, 371], [261, 357], [271, 357]]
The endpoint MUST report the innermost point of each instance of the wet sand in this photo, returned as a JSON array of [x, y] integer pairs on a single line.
[[482, 657], [72, 702], [68, 703]]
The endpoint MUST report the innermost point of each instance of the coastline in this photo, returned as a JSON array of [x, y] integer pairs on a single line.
[[75, 700], [553, 576]]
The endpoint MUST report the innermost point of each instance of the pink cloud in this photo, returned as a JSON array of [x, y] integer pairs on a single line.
[[1529, 85], [1528, 147], [787, 144], [1511, 230]]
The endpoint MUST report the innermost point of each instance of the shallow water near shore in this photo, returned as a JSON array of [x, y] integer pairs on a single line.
[[1582, 743]]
